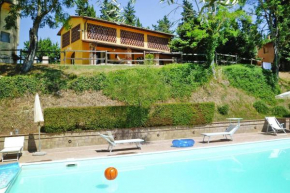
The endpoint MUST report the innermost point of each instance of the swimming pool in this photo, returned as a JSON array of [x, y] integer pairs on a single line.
[[252, 167]]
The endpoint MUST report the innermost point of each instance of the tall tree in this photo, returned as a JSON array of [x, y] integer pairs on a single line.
[[185, 42], [41, 12], [110, 11], [163, 25], [188, 12], [247, 40], [84, 9], [276, 15], [138, 23], [129, 14], [46, 48]]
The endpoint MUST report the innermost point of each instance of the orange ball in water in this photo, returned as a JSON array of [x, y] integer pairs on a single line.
[[111, 173]]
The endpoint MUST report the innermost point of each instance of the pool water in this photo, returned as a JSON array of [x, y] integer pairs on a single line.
[[254, 167], [7, 173]]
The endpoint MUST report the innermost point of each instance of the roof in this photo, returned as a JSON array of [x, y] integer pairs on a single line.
[[115, 23]]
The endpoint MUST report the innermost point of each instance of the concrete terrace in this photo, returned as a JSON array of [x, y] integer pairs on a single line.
[[151, 146]]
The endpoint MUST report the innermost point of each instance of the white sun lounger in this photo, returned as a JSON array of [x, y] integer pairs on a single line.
[[230, 131], [112, 143], [12, 145], [274, 124]]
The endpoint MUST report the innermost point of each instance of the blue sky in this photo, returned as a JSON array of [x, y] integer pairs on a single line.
[[149, 12]]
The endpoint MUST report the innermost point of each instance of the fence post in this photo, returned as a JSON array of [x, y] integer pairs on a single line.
[[106, 57], [64, 58], [144, 54], [216, 59], [236, 59], [20, 56]]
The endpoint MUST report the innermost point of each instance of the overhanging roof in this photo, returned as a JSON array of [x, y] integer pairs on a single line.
[[117, 24]]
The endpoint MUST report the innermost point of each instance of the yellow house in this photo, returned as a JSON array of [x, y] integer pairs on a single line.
[[9, 39], [94, 41]]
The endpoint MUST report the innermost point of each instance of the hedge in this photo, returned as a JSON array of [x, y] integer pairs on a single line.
[[95, 118]]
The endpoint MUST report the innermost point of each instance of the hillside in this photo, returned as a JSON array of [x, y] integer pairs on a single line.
[[70, 86]]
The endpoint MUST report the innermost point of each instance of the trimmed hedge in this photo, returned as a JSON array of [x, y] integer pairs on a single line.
[[94, 118]]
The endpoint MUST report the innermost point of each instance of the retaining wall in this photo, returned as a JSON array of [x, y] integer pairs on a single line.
[[87, 138]]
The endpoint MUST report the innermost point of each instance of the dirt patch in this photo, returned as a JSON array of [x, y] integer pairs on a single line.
[[18, 112], [284, 75]]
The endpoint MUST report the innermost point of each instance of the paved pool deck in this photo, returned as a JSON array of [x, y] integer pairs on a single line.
[[147, 147]]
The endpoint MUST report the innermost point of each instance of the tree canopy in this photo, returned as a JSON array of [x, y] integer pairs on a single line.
[[163, 25], [110, 11], [84, 9], [276, 15], [42, 13], [129, 14]]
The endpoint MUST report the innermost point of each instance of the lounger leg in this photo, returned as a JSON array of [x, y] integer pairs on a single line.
[[138, 144], [208, 139], [2, 157], [231, 137]]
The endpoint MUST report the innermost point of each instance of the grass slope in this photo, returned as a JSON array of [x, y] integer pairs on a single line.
[[239, 86]]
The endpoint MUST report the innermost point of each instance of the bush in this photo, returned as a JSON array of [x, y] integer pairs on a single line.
[[93, 118], [261, 107], [149, 59], [254, 80], [84, 83], [280, 111], [18, 86], [224, 109]]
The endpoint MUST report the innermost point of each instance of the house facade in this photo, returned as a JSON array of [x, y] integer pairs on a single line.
[[9, 39], [266, 53], [94, 41]]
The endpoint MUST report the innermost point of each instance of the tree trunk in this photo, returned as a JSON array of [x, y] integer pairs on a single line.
[[33, 40], [276, 63], [211, 47]]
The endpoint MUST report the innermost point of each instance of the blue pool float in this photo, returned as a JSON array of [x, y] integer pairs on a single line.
[[183, 143]]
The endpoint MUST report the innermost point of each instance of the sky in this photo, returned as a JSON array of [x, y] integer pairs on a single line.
[[148, 11]]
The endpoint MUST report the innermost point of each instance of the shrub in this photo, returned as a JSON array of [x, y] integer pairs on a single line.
[[84, 83], [280, 111], [261, 107], [17, 86], [224, 109], [149, 59], [70, 119], [254, 80]]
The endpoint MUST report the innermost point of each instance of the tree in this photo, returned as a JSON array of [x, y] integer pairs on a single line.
[[163, 25], [46, 48], [185, 42], [188, 13], [276, 15], [246, 42], [84, 9], [110, 11], [129, 14], [138, 23], [215, 22], [42, 12]]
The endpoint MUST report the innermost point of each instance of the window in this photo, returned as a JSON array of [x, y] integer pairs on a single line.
[[5, 37], [265, 49]]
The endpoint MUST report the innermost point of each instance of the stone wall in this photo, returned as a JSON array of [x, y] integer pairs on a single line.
[[87, 138]]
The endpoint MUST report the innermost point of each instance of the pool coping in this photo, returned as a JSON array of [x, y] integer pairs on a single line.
[[179, 149]]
